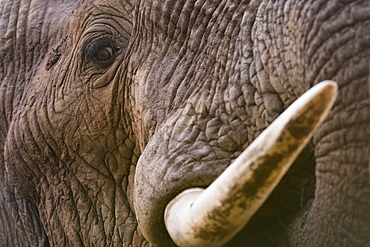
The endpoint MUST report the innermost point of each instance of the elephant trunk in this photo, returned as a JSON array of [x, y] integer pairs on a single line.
[[213, 216]]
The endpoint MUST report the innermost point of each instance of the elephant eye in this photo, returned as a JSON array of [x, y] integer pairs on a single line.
[[105, 54], [102, 52]]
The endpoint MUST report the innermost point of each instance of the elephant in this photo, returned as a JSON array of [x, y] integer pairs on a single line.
[[112, 110]]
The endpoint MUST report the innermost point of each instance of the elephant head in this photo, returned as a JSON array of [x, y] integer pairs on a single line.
[[111, 109]]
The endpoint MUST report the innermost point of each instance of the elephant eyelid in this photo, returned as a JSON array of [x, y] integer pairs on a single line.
[[102, 52]]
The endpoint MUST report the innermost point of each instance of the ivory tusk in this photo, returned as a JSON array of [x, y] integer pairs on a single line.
[[211, 217]]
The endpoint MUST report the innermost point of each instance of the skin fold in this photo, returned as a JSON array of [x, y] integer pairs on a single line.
[[109, 109]]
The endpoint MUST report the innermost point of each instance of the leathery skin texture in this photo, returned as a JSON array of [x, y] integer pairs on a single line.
[[109, 109]]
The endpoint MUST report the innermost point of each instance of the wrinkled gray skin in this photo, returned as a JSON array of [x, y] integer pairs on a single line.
[[190, 85]]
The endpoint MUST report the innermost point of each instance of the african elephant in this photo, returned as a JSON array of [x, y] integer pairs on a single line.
[[110, 109]]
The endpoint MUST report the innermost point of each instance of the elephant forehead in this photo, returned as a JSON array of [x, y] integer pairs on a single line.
[[91, 17]]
